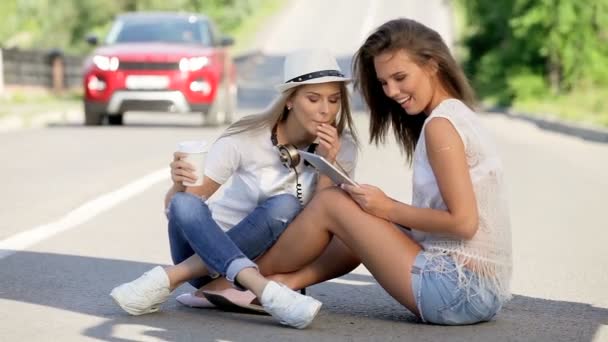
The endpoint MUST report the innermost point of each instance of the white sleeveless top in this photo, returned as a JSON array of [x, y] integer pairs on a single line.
[[488, 253]]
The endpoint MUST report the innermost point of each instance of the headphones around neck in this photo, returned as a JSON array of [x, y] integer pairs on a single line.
[[288, 153], [290, 158]]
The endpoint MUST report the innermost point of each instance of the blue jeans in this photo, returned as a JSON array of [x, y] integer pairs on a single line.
[[193, 230], [440, 299]]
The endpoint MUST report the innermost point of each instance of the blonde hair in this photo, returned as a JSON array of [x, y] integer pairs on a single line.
[[269, 117], [277, 112]]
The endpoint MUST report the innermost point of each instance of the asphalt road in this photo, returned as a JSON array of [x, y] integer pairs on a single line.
[[81, 212]]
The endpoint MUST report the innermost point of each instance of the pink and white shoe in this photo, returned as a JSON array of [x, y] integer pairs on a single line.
[[194, 301]]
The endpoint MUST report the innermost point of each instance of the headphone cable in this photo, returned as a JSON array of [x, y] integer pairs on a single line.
[[299, 191]]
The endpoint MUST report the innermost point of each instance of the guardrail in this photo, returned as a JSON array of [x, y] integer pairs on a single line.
[[52, 69]]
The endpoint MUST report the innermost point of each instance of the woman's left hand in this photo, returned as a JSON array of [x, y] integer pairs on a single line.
[[329, 142], [371, 199]]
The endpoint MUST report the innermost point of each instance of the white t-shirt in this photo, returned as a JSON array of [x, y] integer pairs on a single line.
[[252, 166]]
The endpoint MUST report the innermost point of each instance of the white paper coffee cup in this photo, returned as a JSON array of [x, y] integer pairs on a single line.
[[196, 152]]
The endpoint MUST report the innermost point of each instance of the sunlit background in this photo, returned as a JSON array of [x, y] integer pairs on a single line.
[[88, 128]]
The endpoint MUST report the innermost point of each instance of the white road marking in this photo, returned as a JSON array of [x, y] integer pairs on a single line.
[[80, 215], [351, 282]]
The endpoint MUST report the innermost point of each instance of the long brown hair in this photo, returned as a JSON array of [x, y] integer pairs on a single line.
[[277, 112], [422, 44]]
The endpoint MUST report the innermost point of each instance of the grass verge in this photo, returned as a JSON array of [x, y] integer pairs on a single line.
[[586, 107], [31, 101]]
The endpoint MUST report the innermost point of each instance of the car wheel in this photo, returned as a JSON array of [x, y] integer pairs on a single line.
[[93, 118], [115, 120]]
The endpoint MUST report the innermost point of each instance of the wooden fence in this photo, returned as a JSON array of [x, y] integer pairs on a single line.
[[45, 69]]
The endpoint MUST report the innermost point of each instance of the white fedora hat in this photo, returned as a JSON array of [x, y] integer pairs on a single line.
[[308, 67]]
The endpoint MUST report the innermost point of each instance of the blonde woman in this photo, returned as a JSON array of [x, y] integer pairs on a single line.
[[264, 184]]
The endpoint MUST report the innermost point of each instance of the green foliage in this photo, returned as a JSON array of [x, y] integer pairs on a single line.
[[582, 105], [522, 49], [526, 85], [64, 24]]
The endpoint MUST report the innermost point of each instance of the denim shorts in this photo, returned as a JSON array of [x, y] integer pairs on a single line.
[[440, 299]]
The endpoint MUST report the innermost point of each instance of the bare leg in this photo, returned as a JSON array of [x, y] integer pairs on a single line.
[[191, 268], [335, 261], [310, 234], [384, 250], [194, 267], [251, 279]]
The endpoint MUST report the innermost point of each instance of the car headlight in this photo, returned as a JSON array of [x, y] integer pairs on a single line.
[[193, 63], [106, 63]]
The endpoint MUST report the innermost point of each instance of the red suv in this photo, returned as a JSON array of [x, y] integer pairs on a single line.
[[168, 62]]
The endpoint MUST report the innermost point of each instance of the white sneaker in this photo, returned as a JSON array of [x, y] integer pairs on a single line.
[[144, 294], [288, 306]]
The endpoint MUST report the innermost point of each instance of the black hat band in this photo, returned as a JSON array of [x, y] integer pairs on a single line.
[[316, 74]]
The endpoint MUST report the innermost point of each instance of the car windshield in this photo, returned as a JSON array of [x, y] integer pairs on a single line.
[[189, 30]]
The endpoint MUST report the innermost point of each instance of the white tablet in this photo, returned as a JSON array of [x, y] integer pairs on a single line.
[[326, 168]]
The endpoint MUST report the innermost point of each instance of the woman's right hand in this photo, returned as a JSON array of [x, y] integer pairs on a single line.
[[329, 142], [181, 171], [371, 199]]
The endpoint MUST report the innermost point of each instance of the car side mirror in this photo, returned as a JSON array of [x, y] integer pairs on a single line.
[[227, 41], [91, 39]]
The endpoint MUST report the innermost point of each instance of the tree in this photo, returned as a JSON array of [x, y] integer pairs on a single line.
[[524, 48], [64, 24]]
